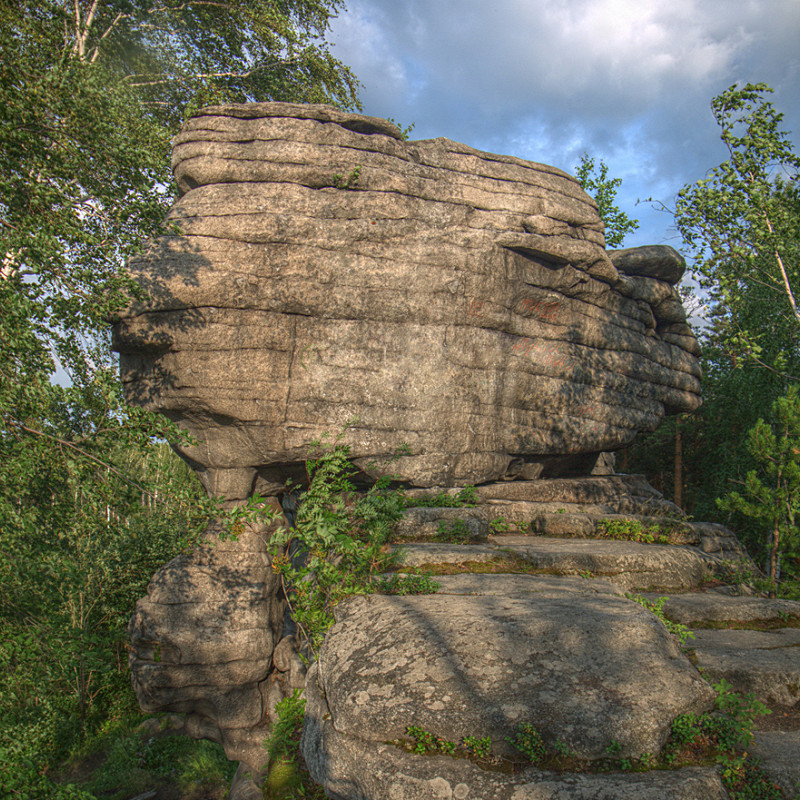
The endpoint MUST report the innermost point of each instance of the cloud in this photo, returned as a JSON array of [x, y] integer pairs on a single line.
[[626, 80]]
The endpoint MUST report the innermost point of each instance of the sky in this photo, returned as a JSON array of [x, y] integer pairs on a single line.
[[626, 81]]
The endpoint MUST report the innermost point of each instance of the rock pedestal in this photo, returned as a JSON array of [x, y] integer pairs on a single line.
[[202, 640], [320, 273]]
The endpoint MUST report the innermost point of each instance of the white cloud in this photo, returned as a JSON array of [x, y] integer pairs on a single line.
[[627, 80]]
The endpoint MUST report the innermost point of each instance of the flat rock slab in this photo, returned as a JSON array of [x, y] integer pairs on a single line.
[[631, 565], [584, 665], [415, 555], [699, 608], [766, 663], [521, 585], [779, 752]]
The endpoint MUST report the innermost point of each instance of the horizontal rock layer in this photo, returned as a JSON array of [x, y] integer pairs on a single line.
[[455, 300]]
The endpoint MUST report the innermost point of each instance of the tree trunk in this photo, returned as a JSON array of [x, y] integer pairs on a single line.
[[773, 558]]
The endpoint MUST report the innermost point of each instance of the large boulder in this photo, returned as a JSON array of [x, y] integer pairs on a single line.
[[584, 665], [321, 268]]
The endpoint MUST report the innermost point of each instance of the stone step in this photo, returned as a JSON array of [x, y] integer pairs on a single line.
[[599, 489], [714, 609], [425, 522], [766, 663], [628, 564], [417, 555], [506, 509]]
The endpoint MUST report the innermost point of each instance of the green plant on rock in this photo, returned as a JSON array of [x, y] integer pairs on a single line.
[[717, 733], [499, 525], [467, 497], [349, 182], [656, 607], [339, 544], [407, 584], [529, 742], [480, 747], [287, 778], [631, 530], [426, 742], [405, 131], [454, 532], [742, 572]]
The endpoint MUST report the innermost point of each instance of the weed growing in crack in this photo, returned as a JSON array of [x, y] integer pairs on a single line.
[[529, 742], [349, 182], [630, 530], [656, 607], [407, 584], [464, 498], [288, 778], [479, 747]]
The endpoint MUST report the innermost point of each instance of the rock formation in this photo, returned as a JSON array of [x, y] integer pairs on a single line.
[[460, 302], [320, 268]]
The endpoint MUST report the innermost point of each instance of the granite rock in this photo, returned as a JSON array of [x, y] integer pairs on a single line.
[[462, 302]]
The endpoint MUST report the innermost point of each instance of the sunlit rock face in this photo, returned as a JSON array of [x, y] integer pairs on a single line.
[[322, 269]]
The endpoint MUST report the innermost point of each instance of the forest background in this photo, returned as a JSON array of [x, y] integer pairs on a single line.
[[91, 500]]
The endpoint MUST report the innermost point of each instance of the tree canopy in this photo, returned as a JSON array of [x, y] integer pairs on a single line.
[[595, 181], [741, 226], [91, 500]]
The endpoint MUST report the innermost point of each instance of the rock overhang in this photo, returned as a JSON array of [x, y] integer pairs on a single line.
[[461, 302]]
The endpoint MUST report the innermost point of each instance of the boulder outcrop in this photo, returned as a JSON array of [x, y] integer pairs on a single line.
[[460, 302], [319, 269]]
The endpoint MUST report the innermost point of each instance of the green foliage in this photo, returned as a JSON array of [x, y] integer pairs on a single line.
[[134, 762], [91, 504], [681, 632], [772, 492], [719, 733], [349, 182], [478, 746], [407, 584], [287, 778], [344, 538], [603, 189], [739, 572], [741, 226], [740, 223], [744, 779], [455, 531], [499, 525], [425, 742], [405, 132], [464, 498], [631, 530], [283, 740], [529, 742]]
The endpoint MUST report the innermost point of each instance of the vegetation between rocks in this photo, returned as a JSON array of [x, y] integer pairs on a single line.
[[339, 545], [718, 737]]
